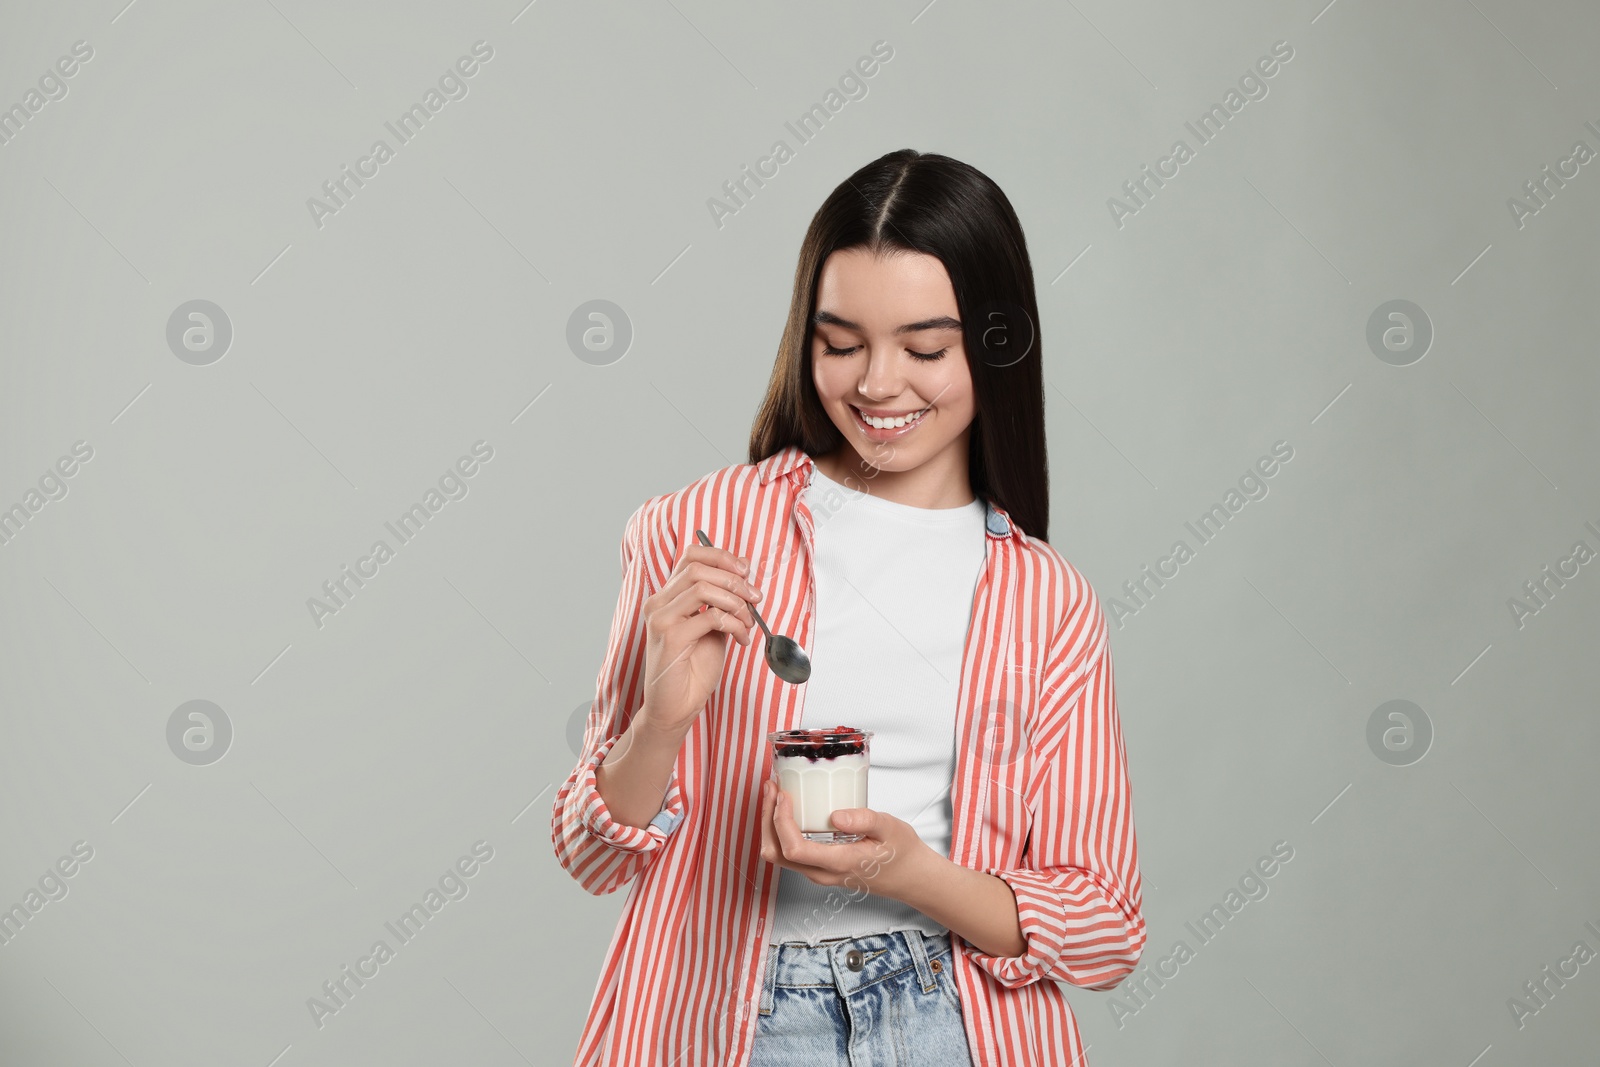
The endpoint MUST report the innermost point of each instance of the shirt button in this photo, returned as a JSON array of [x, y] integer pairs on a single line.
[[852, 959]]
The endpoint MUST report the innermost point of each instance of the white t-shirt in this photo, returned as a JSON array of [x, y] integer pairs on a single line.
[[894, 589]]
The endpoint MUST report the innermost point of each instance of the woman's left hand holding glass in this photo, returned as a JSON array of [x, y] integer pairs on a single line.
[[889, 860]]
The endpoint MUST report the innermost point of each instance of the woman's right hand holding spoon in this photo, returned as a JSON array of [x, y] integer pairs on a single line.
[[707, 596]]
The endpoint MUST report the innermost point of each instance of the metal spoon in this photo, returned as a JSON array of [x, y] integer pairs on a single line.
[[786, 658]]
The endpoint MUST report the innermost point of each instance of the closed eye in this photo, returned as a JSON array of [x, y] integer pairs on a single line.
[[925, 356]]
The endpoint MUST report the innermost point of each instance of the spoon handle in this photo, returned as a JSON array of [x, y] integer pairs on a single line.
[[704, 540]]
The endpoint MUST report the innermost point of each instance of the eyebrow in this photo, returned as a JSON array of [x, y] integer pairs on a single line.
[[940, 322]]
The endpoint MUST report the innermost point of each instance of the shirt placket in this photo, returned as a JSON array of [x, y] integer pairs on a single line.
[[983, 607], [804, 531], [987, 599]]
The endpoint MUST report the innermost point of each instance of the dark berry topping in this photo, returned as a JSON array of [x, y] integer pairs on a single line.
[[822, 743]]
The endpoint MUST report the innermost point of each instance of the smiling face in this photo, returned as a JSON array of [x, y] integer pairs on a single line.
[[887, 341]]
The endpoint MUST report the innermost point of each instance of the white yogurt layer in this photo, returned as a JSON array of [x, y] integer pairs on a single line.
[[819, 787]]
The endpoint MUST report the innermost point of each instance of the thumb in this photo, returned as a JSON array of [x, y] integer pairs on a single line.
[[853, 819]]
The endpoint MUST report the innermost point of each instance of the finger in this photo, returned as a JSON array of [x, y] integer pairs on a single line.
[[698, 599], [796, 848], [785, 827], [716, 558], [721, 557], [781, 833], [688, 600], [769, 840], [741, 633], [691, 629], [735, 581], [682, 622], [741, 583]]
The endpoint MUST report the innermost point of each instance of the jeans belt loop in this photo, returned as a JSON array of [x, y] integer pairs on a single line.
[[769, 981], [919, 957]]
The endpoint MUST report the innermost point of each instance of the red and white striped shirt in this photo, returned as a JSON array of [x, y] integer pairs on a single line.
[[1040, 798]]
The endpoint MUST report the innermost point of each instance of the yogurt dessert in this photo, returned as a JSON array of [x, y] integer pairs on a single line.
[[822, 770]]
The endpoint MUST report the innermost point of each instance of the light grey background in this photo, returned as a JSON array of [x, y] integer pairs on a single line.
[[431, 312]]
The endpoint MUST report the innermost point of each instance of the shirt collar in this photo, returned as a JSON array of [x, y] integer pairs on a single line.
[[794, 463]]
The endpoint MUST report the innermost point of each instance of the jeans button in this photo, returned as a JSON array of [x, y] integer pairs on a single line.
[[852, 959]]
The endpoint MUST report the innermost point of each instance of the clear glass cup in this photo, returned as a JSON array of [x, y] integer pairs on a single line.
[[822, 770]]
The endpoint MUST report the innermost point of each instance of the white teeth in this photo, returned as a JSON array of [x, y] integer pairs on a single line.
[[889, 424]]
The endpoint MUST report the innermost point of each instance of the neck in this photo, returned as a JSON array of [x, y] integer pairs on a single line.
[[941, 482]]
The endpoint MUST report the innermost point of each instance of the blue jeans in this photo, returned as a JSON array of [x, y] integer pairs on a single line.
[[870, 1001]]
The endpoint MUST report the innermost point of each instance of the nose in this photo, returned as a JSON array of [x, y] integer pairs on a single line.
[[882, 378]]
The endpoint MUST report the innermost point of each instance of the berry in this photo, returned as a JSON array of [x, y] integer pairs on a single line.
[[823, 743]]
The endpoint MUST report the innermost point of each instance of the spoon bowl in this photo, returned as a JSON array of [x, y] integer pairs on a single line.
[[784, 655]]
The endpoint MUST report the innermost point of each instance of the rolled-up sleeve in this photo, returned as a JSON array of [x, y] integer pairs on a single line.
[[1078, 890], [601, 854]]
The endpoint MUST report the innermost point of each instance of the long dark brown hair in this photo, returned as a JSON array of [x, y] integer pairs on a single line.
[[925, 202]]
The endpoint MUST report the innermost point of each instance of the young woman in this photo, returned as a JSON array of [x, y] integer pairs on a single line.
[[892, 520]]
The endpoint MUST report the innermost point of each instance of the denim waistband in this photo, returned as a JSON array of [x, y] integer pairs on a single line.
[[828, 964]]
